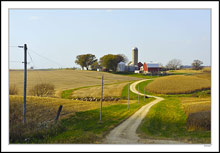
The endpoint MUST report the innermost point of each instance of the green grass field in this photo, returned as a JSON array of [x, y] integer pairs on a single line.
[[167, 120]]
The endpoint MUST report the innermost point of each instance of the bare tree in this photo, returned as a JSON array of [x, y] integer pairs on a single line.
[[196, 65], [174, 64]]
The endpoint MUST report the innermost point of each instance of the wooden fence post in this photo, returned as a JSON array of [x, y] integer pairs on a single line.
[[58, 113]]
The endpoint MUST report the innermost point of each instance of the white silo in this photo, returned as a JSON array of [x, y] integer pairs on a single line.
[[121, 66], [135, 56]]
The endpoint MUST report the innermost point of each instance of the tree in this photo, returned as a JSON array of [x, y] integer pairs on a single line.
[[95, 65], [111, 61], [196, 65], [85, 60], [174, 64]]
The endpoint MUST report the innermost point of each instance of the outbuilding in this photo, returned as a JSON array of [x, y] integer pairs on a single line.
[[151, 67]]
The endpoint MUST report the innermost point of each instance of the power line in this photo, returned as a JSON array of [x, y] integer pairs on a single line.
[[16, 61], [12, 46], [47, 58], [34, 66]]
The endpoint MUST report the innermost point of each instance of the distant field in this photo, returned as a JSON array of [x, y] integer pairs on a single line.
[[179, 84], [113, 90], [64, 79], [185, 71], [203, 75]]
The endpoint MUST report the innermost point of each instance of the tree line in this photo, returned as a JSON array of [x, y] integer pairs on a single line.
[[109, 61], [177, 64]]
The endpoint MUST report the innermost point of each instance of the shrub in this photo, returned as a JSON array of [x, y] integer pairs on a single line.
[[43, 90], [199, 121], [13, 90]]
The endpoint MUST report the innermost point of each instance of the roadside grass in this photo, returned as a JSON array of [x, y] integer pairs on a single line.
[[124, 93], [167, 120], [40, 115], [142, 86], [85, 127]]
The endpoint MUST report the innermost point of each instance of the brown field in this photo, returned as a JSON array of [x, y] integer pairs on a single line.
[[63, 79], [185, 71], [193, 104], [206, 69], [205, 75], [179, 84], [113, 90], [45, 108], [198, 112]]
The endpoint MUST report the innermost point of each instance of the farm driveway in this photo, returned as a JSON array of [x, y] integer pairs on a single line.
[[125, 133]]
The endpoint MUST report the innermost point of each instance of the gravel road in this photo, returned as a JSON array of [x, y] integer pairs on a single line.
[[125, 133]]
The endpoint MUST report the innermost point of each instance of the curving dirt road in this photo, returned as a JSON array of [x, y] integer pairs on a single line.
[[125, 133]]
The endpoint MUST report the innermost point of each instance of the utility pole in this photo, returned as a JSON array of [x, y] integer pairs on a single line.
[[25, 81], [128, 94], [101, 101]]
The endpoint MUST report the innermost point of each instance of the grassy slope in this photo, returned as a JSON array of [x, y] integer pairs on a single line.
[[168, 120], [41, 111], [84, 127]]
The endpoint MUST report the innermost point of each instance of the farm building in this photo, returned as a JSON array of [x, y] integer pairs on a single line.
[[121, 67], [150, 68]]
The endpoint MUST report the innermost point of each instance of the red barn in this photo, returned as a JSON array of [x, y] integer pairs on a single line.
[[151, 67]]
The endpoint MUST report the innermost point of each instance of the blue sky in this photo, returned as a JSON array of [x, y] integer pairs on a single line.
[[61, 35]]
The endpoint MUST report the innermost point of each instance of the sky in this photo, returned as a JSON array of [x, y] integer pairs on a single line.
[[55, 37]]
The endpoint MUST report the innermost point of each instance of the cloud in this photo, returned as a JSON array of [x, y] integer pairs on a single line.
[[34, 18]]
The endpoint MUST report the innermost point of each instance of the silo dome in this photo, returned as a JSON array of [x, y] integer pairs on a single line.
[[135, 49]]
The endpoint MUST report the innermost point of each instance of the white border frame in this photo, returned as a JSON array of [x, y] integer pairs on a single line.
[[5, 146]]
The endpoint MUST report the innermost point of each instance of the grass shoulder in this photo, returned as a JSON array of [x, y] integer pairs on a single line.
[[85, 127], [167, 120]]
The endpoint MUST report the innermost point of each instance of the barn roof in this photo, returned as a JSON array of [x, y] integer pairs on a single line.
[[153, 65]]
